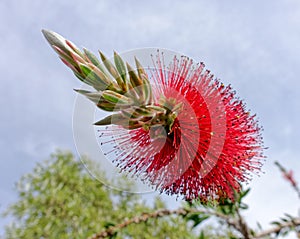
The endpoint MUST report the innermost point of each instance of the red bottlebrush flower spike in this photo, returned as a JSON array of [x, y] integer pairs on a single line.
[[180, 130], [212, 146]]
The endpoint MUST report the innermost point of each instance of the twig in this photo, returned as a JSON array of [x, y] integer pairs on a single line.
[[159, 213], [294, 223], [243, 227], [240, 225]]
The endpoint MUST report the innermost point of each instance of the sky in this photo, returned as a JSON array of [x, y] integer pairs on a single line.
[[252, 45]]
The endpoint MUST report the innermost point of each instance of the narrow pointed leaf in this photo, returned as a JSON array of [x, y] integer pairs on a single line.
[[65, 55], [147, 91], [120, 65], [130, 113], [79, 76], [107, 106], [85, 69], [156, 108], [105, 121], [77, 58], [68, 64], [116, 98], [83, 92], [144, 111], [93, 96], [117, 119], [140, 68], [74, 47], [134, 79], [93, 59], [91, 78], [100, 74], [113, 71]]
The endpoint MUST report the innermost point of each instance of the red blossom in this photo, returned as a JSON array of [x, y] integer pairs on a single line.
[[213, 145]]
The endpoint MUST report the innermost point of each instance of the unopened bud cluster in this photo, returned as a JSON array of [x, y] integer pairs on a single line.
[[119, 88]]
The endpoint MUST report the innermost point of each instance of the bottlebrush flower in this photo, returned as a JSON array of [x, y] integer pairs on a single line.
[[174, 126]]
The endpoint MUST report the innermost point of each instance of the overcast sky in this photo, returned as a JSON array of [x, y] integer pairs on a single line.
[[253, 45]]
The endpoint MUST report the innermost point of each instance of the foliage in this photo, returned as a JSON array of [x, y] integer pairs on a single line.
[[60, 200]]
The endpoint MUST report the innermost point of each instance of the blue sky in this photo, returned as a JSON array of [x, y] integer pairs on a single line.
[[252, 45]]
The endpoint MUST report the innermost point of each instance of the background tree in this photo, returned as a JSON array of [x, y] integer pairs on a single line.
[[59, 199]]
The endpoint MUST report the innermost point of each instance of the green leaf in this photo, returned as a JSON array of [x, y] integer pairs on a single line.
[[92, 79], [146, 92], [109, 224], [120, 65], [91, 57], [113, 71], [276, 223], [79, 76], [144, 111], [85, 69], [116, 98], [105, 121], [259, 226], [197, 218], [140, 69], [107, 106], [111, 119], [202, 235], [130, 113], [134, 79], [243, 206], [74, 48], [93, 96], [156, 108], [244, 193]]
